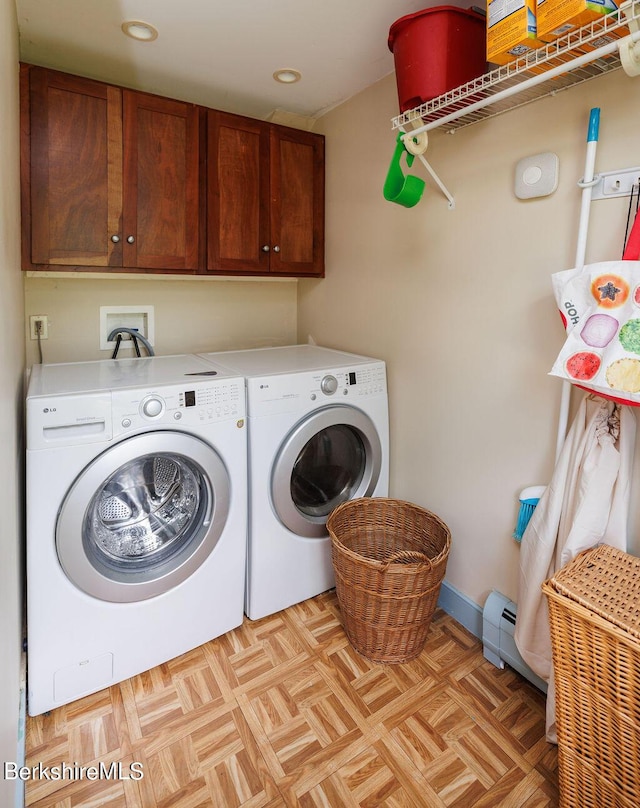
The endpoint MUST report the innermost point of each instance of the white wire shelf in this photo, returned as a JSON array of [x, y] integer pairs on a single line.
[[582, 55]]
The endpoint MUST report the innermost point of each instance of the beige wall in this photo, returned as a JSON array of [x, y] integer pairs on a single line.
[[11, 368], [459, 302], [190, 315]]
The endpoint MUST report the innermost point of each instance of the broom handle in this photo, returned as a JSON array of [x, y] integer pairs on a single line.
[[581, 247]]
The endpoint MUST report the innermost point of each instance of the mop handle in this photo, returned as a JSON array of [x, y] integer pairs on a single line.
[[581, 248], [587, 179]]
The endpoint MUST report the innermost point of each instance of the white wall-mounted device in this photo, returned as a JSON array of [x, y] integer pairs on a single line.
[[536, 175]]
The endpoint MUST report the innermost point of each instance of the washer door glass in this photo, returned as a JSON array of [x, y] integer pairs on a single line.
[[143, 516], [332, 455], [145, 511]]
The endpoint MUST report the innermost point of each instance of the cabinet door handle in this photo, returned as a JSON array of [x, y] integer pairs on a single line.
[[115, 239], [265, 248], [276, 248], [130, 239]]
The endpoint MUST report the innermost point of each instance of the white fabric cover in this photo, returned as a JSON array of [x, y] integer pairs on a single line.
[[586, 503]]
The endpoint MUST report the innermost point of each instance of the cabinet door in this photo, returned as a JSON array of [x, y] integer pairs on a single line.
[[76, 170], [297, 202], [237, 194], [161, 183]]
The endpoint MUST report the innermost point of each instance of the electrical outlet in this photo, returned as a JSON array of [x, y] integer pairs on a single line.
[[43, 320]]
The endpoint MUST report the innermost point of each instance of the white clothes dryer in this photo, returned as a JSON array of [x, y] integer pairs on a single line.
[[318, 435], [136, 518]]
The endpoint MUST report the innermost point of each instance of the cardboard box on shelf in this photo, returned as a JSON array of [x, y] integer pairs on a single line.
[[511, 30], [579, 13], [559, 17]]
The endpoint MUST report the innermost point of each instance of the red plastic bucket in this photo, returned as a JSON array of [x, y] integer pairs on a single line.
[[436, 50]]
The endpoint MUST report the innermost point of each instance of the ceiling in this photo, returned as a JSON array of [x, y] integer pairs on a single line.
[[221, 53]]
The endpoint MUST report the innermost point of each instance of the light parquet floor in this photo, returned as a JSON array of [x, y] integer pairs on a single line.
[[283, 712]]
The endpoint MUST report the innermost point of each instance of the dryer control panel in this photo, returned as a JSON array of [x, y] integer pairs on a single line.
[[368, 380], [292, 392]]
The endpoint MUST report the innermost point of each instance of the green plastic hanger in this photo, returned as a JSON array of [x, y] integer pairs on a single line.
[[406, 191]]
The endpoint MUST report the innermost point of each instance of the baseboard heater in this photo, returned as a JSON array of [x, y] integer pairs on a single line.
[[499, 647]]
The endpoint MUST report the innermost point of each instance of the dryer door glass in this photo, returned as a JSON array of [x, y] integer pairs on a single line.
[[146, 511], [331, 455], [328, 470]]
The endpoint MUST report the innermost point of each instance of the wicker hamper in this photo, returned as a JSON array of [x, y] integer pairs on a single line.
[[594, 616], [389, 558]]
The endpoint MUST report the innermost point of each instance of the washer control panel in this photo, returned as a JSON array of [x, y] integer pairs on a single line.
[[152, 406], [187, 404]]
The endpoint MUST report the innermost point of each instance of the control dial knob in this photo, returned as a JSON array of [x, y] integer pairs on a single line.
[[329, 385], [152, 406]]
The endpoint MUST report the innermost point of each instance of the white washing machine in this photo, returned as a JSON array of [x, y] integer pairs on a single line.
[[136, 518], [318, 435]]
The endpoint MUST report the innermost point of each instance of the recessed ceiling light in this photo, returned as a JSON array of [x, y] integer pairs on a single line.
[[287, 75], [140, 30]]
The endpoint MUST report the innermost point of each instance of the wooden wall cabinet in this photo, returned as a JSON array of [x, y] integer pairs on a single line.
[[113, 176], [265, 198], [120, 180]]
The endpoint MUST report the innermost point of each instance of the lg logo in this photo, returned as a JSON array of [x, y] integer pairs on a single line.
[[49, 409]]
